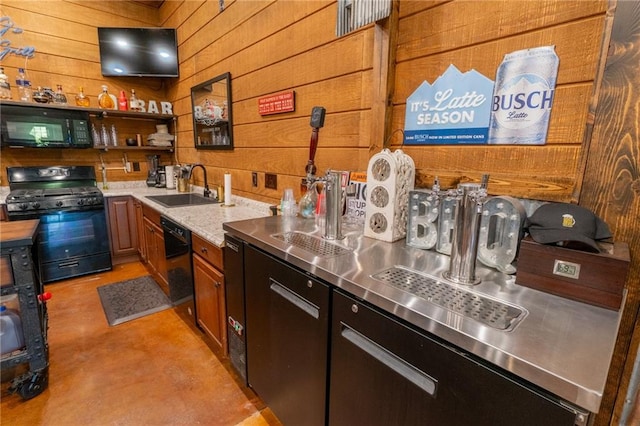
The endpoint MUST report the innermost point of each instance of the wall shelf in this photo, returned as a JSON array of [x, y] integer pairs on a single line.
[[99, 112], [134, 148]]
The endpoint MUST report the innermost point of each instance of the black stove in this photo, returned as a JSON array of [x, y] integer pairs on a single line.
[[45, 189], [73, 237]]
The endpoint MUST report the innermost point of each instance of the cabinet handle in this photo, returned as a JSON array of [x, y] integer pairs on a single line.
[[216, 284], [203, 249], [391, 360], [294, 299]]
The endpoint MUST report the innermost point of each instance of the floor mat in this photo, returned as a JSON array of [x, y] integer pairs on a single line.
[[127, 300]]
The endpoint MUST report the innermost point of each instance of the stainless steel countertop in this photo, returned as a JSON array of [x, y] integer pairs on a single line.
[[562, 345]]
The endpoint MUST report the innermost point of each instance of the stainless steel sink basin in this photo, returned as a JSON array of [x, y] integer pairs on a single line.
[[181, 200]]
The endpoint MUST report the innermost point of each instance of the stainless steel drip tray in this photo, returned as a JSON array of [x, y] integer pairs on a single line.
[[315, 245], [490, 312]]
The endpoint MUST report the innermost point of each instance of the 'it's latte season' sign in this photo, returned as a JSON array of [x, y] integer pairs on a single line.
[[454, 110]]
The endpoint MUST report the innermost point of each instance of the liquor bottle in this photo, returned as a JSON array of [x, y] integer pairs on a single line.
[[5, 87], [59, 97], [123, 105], [24, 86], [81, 99], [133, 102], [104, 99]]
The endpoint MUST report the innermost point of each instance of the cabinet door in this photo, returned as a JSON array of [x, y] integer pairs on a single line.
[[209, 295], [142, 246], [156, 263], [385, 373], [287, 338], [123, 231]]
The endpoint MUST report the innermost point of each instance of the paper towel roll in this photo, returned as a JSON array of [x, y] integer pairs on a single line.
[[227, 189], [170, 177]]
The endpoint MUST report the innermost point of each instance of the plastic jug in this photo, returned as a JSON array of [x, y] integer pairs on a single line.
[[11, 335]]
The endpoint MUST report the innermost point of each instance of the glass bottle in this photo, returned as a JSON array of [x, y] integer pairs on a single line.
[[81, 99], [59, 97], [97, 140], [133, 101], [104, 99], [5, 87], [123, 104], [104, 136], [24, 86], [114, 136]]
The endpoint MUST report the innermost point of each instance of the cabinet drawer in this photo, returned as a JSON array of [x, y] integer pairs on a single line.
[[152, 214], [208, 251]]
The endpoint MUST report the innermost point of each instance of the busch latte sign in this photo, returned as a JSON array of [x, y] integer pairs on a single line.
[[454, 110], [521, 105]]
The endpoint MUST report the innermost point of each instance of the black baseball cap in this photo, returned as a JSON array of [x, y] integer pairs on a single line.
[[568, 225]]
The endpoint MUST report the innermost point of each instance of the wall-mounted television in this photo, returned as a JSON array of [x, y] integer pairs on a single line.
[[138, 52]]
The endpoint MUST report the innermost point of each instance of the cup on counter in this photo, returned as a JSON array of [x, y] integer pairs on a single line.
[[288, 204], [184, 185]]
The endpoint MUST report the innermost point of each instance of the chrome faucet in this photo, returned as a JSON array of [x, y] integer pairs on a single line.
[[207, 192]]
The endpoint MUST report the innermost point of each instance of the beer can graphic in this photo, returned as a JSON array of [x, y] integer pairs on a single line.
[[523, 96]]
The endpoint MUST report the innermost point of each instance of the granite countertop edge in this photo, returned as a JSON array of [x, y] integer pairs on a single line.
[[204, 220]]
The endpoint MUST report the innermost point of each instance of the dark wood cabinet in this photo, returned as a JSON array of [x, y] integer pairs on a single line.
[[154, 243], [209, 288], [123, 229], [142, 247], [209, 296]]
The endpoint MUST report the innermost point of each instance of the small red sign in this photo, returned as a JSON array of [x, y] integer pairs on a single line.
[[275, 104]]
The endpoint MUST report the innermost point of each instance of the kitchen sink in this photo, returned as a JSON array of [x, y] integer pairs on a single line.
[[181, 200]]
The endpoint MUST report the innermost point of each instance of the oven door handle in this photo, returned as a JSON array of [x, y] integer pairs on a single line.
[[69, 264]]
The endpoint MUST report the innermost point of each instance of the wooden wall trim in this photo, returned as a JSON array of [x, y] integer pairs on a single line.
[[611, 184]]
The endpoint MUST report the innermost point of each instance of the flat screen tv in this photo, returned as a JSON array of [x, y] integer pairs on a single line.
[[138, 52]]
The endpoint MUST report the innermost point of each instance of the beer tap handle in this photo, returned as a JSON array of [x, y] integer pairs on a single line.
[[313, 145], [317, 121]]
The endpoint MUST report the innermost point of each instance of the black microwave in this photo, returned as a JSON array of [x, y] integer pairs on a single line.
[[32, 126]]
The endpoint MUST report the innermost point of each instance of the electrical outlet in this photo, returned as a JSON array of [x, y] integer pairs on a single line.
[[254, 179], [270, 181]]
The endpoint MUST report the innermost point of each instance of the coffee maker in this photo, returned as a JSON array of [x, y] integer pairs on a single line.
[[153, 165]]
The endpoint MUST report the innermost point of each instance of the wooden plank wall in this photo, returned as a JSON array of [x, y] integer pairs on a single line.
[[611, 188], [272, 46], [477, 35], [66, 41]]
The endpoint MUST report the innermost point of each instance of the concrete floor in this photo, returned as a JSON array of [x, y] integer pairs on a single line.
[[154, 370]]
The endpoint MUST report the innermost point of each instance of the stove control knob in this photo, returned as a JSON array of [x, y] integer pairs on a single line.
[[80, 201], [59, 203], [35, 205], [23, 206]]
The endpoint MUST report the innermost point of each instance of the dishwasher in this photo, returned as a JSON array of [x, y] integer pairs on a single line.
[[177, 246]]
